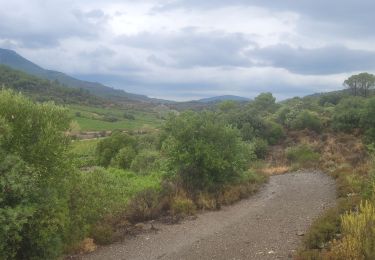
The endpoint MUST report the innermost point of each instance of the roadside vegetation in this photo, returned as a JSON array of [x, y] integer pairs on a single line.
[[60, 196]]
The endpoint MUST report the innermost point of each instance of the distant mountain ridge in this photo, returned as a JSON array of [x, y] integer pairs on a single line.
[[14, 60], [223, 98]]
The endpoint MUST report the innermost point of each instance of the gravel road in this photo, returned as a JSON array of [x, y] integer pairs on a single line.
[[269, 225]]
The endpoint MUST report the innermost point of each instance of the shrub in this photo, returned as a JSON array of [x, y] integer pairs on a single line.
[[128, 116], [182, 206], [330, 99], [16, 209], [102, 233], [368, 121], [347, 114], [307, 120], [35, 174], [204, 152], [145, 205], [323, 230], [145, 161], [273, 133], [260, 147], [124, 158], [109, 147], [302, 155], [358, 230]]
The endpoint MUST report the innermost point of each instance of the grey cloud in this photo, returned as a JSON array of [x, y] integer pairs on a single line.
[[349, 17], [59, 21], [98, 53], [320, 61], [191, 48]]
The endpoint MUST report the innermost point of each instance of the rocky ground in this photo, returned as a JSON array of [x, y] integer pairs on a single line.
[[269, 225]]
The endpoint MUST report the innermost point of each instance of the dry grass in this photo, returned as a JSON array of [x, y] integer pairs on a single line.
[[275, 170], [344, 157], [87, 246]]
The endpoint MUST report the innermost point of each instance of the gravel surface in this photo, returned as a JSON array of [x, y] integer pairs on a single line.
[[269, 225]]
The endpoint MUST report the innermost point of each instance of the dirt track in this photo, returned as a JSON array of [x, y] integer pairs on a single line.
[[269, 225]]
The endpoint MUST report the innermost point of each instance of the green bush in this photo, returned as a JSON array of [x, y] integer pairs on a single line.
[[302, 155], [16, 208], [124, 158], [35, 174], [203, 151], [260, 147], [145, 161], [128, 116], [108, 148], [348, 113], [149, 141], [323, 230], [273, 133], [307, 120], [368, 120]]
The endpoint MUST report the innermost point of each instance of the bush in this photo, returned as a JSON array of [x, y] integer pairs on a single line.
[[260, 147], [323, 230], [108, 148], [348, 113], [302, 155], [35, 175], [149, 141], [145, 161], [273, 133], [128, 116], [204, 152], [182, 206], [368, 120], [330, 99], [102, 233], [16, 210], [358, 230], [307, 120], [124, 158], [145, 205]]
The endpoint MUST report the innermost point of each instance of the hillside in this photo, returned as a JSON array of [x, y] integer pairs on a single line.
[[16, 61], [45, 90]]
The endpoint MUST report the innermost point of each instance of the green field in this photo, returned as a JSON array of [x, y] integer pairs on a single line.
[[100, 119]]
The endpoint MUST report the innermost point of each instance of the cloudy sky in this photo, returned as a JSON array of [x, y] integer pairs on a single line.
[[189, 49]]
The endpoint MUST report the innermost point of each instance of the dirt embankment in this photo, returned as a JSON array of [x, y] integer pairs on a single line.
[[269, 225]]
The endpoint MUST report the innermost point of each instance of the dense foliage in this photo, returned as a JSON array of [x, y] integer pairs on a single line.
[[204, 152], [34, 172]]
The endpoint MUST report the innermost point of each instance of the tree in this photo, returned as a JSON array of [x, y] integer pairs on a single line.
[[264, 103], [204, 152], [360, 84]]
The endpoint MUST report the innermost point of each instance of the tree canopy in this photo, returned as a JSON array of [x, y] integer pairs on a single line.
[[360, 84]]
